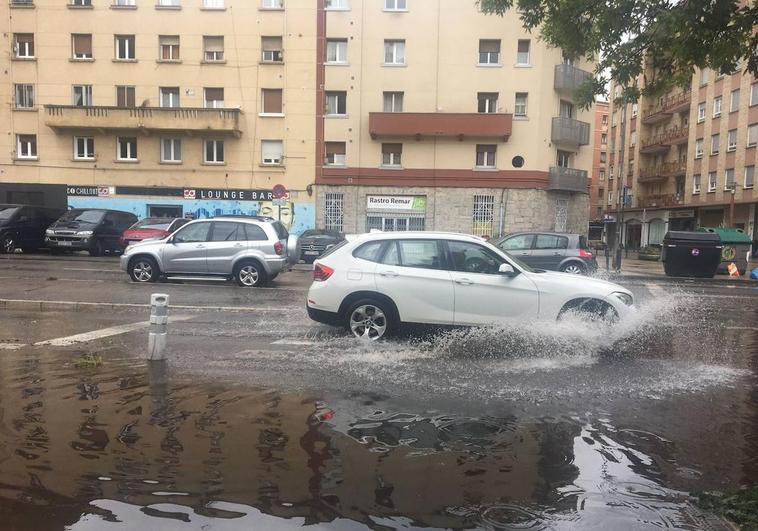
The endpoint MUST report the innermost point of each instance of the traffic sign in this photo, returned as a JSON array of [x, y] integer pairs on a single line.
[[279, 201], [279, 191]]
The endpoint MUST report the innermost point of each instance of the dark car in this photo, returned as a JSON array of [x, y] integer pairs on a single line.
[[150, 228], [95, 230], [23, 226], [551, 250], [314, 242]]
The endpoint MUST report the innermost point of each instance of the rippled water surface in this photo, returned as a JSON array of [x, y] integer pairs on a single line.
[[533, 426]]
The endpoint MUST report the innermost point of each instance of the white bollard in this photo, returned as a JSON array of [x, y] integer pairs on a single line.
[[156, 339]]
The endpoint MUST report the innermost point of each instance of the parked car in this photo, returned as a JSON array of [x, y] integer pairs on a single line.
[[150, 228], [252, 250], [315, 241], [23, 226], [553, 251], [377, 282], [95, 230]]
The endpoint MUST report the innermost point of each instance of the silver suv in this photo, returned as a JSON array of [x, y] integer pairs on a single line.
[[252, 250]]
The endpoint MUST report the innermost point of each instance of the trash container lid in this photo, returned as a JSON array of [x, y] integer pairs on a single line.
[[728, 234], [703, 237]]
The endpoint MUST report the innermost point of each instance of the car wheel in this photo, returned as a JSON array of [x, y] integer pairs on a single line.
[[369, 319], [96, 249], [8, 244], [143, 269], [250, 274], [573, 268], [590, 310]]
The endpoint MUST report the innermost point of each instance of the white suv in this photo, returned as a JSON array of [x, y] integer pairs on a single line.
[[375, 282]]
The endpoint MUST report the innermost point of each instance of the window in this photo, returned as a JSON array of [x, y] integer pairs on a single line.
[[732, 140], [487, 102], [392, 154], [602, 157], [272, 152], [213, 97], [82, 95], [213, 151], [369, 251], [483, 215], [393, 102], [424, 254], [26, 146], [699, 148], [485, 155], [752, 135], [169, 47], [334, 153], [169, 3], [395, 5], [171, 150], [610, 198], [550, 241], [333, 211], [705, 74], [124, 3], [169, 96], [696, 184], [566, 109], [734, 101], [715, 143], [701, 112], [127, 148], [125, 47], [124, 96], [81, 46], [193, 233], [472, 258], [563, 159], [213, 4], [336, 103], [394, 52], [605, 120], [717, 106], [749, 177], [604, 138], [754, 94], [84, 148], [602, 175], [213, 48], [24, 96], [272, 101], [336, 4], [227, 231], [23, 45], [336, 51], [520, 242], [489, 51], [729, 182], [272, 4], [520, 107], [633, 139], [271, 49], [81, 3], [522, 54], [712, 181]]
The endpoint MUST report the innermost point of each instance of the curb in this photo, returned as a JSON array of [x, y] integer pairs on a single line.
[[642, 276], [21, 304]]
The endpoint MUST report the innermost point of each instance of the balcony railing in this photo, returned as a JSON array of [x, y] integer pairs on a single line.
[[440, 124], [567, 179], [180, 119], [570, 132], [569, 78], [653, 174], [666, 107], [663, 141], [665, 200]]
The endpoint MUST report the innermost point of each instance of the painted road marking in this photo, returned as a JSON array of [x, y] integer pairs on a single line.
[[103, 332], [76, 304], [11, 346], [293, 342]]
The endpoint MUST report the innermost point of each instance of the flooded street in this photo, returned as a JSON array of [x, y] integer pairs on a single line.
[[261, 420]]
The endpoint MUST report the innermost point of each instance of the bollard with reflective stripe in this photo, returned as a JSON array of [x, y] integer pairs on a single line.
[[156, 340]]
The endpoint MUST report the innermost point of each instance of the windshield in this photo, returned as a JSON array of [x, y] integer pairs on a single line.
[[320, 234], [7, 212], [83, 216], [153, 223]]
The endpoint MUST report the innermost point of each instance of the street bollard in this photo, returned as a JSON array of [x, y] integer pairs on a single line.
[[156, 340]]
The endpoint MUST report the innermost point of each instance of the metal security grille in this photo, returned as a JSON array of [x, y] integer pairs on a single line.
[[484, 215], [333, 212], [394, 222], [561, 215]]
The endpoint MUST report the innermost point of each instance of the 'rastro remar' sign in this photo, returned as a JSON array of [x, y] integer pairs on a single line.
[[395, 202]]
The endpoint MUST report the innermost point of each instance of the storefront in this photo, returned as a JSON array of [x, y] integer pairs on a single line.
[[682, 220], [395, 212]]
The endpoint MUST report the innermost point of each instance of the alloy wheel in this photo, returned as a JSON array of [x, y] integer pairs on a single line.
[[573, 269], [9, 245], [368, 321], [143, 271], [248, 275]]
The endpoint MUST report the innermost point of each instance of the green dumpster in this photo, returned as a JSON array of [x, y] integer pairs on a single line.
[[736, 247]]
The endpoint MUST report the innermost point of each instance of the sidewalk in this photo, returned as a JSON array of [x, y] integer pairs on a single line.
[[635, 268]]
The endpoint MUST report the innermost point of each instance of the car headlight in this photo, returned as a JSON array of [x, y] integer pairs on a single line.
[[50, 232], [623, 297], [84, 233]]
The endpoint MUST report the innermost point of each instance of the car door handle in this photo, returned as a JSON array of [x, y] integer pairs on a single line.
[[200, 246], [557, 254], [391, 274], [463, 281], [238, 245]]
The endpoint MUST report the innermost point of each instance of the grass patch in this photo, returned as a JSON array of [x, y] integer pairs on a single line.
[[88, 361], [740, 506]]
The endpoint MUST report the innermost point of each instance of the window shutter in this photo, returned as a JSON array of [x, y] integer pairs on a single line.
[[214, 94], [489, 46], [214, 44], [272, 150], [391, 148], [83, 45], [272, 101], [338, 148], [271, 43]]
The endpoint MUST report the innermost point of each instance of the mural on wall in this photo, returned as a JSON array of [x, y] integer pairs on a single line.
[[297, 217]]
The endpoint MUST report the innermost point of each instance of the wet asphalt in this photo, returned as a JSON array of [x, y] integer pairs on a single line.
[[261, 419]]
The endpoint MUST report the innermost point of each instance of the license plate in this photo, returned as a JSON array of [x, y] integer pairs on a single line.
[[312, 253], [64, 244]]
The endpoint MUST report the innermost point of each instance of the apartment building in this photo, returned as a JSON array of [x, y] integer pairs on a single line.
[[160, 107], [599, 162], [688, 158], [439, 117]]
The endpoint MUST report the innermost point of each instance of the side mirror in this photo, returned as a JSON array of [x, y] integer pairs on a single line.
[[507, 270]]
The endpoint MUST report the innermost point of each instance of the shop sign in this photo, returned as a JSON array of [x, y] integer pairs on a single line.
[[681, 214], [395, 202], [235, 195], [187, 193], [83, 191]]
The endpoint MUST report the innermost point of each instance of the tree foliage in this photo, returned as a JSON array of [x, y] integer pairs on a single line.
[[661, 40]]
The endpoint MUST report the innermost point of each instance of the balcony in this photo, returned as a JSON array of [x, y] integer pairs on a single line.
[[656, 174], [440, 124], [182, 120], [567, 179], [666, 107], [569, 78], [657, 201], [569, 132], [662, 142]]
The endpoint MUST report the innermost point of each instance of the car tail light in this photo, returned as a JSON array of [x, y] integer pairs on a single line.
[[278, 248], [322, 272], [585, 254]]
